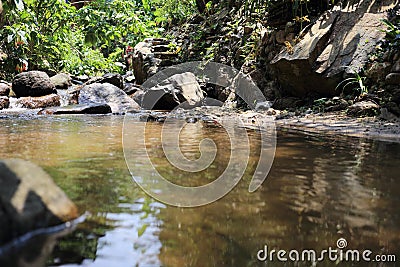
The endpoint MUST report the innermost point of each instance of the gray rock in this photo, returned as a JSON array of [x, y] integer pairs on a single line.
[[61, 81], [114, 79], [393, 78], [337, 39], [396, 66], [363, 108], [287, 103], [4, 89], [78, 109], [52, 100], [29, 199], [109, 94], [175, 90], [32, 83], [4, 102]]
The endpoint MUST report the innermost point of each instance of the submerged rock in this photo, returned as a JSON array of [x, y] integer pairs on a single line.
[[109, 94], [175, 90], [32, 83], [52, 100], [4, 89], [29, 199], [78, 109]]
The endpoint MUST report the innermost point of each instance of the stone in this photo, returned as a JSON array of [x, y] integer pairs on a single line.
[[52, 100], [363, 108], [280, 37], [29, 199], [378, 70], [111, 78], [130, 88], [4, 102], [393, 78], [287, 103], [61, 81], [4, 89], [78, 109], [177, 89], [109, 94], [336, 105], [396, 66], [337, 43], [32, 83]]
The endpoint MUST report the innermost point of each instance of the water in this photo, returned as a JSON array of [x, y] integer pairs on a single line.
[[320, 189]]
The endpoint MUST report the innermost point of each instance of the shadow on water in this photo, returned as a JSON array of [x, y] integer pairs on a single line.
[[319, 189]]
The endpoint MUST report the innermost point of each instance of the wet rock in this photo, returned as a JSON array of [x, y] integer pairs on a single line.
[[111, 78], [109, 94], [52, 100], [396, 67], [393, 108], [393, 78], [4, 102], [336, 105], [363, 108], [29, 199], [32, 83], [130, 88], [265, 105], [287, 103], [4, 89], [175, 90], [338, 38], [138, 97], [78, 109], [61, 81]]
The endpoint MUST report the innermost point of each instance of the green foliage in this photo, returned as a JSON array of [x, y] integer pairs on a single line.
[[356, 83], [392, 32]]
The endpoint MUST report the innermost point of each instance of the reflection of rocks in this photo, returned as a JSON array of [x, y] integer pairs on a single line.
[[78, 109], [52, 100], [4, 102], [176, 89], [109, 94], [61, 81], [32, 83], [29, 199]]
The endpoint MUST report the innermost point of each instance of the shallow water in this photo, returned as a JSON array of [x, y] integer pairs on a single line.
[[320, 189]]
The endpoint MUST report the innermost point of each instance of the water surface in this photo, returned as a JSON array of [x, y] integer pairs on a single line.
[[320, 189]]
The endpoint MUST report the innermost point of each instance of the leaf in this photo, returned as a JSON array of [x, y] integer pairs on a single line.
[[19, 4], [10, 38], [142, 229]]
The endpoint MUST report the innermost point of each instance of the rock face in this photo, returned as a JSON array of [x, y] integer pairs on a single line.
[[78, 109], [336, 44], [109, 94], [61, 81], [4, 89], [52, 100], [177, 89], [29, 199], [32, 83], [4, 102], [149, 56]]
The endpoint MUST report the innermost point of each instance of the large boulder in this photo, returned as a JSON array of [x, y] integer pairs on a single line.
[[52, 100], [111, 78], [32, 83], [335, 46], [61, 81], [29, 199], [173, 91], [109, 94]]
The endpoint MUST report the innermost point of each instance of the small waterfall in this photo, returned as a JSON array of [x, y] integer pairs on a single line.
[[64, 97]]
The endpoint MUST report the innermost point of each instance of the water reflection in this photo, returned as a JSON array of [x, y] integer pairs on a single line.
[[320, 189]]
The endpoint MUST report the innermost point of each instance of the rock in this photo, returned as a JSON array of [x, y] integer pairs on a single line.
[[4, 102], [109, 94], [280, 37], [396, 67], [363, 108], [393, 78], [61, 81], [337, 39], [52, 100], [138, 97], [393, 108], [148, 58], [130, 88], [78, 109], [4, 89], [336, 105], [378, 71], [114, 79], [175, 90], [29, 199], [287, 103], [264, 105], [32, 83]]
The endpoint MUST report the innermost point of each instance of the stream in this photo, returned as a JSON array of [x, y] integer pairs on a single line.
[[320, 189]]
